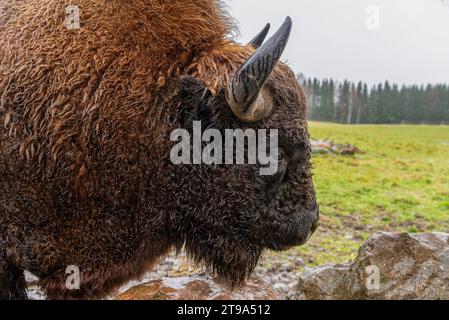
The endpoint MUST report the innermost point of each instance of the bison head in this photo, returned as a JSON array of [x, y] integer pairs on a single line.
[[228, 214]]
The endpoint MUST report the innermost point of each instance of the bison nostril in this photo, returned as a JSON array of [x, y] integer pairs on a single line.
[[316, 221], [315, 226]]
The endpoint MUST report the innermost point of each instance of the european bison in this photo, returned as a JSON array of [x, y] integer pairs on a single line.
[[85, 122]]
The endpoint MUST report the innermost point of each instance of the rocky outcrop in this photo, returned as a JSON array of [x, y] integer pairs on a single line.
[[391, 266], [199, 287]]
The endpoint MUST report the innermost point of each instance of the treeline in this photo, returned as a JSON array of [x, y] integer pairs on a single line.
[[357, 103]]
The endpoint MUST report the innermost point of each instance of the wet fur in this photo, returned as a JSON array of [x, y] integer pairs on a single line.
[[85, 120]]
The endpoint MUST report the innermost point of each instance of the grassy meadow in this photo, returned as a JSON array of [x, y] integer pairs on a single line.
[[399, 183]]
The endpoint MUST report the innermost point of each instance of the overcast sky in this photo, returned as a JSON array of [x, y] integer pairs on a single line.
[[341, 38]]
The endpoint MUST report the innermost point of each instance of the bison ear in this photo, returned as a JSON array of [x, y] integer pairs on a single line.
[[191, 87], [260, 38], [194, 100], [244, 91]]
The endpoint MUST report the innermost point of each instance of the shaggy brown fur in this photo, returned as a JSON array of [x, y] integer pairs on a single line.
[[85, 120]]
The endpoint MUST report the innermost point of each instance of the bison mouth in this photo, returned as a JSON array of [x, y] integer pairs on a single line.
[[296, 230]]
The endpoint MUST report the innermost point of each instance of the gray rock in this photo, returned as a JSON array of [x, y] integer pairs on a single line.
[[390, 266], [198, 287]]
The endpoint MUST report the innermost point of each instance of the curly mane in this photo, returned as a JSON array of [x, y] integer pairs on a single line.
[[62, 90]]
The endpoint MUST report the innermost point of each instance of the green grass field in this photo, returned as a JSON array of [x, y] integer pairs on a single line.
[[399, 183]]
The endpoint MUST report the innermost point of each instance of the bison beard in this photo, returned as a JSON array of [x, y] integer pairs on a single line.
[[85, 122]]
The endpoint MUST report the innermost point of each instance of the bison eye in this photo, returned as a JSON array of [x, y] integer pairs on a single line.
[[276, 179], [297, 153]]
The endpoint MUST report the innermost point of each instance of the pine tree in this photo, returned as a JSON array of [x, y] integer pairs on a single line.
[[350, 103]]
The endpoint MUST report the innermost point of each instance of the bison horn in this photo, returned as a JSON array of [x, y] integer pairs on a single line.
[[244, 90], [260, 38]]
